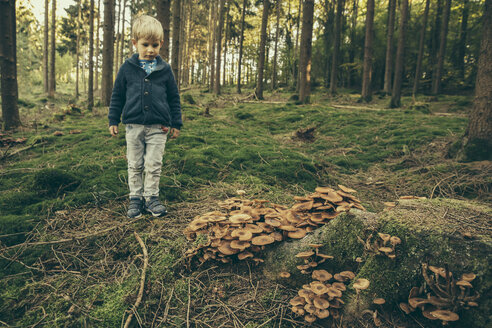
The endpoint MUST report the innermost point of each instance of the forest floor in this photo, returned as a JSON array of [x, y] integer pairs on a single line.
[[70, 257]]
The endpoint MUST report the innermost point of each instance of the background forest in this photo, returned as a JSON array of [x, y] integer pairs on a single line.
[[392, 98]]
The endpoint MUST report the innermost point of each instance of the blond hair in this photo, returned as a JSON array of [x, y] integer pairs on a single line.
[[147, 27]]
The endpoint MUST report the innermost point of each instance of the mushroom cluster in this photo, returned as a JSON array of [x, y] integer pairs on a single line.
[[444, 295], [384, 245], [244, 226], [319, 299]]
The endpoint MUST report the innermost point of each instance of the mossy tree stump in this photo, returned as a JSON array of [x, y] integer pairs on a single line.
[[438, 232]]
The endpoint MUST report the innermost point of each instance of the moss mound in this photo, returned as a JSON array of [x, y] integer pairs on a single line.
[[54, 181], [438, 232]]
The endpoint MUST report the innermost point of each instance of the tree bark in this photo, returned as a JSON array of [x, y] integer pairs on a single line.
[[52, 77], [220, 27], [189, 45], [118, 37], [97, 47], [8, 65], [398, 79], [295, 68], [122, 36], [90, 87], [478, 145], [212, 29], [77, 50], [336, 46], [176, 41], [108, 48], [305, 54], [261, 58], [241, 41], [435, 33], [164, 16], [353, 35], [226, 39], [389, 46], [182, 39], [46, 46], [421, 50], [436, 81], [367, 70], [275, 55], [462, 42]]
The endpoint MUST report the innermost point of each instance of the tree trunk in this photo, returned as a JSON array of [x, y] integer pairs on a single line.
[[97, 46], [389, 46], [241, 40], [52, 77], [277, 32], [295, 68], [396, 93], [436, 81], [8, 65], [189, 45], [90, 92], [436, 30], [367, 70], [353, 35], [226, 39], [182, 39], [305, 54], [220, 27], [164, 16], [336, 46], [176, 41], [328, 34], [122, 37], [261, 58], [462, 42], [77, 50], [46, 46], [479, 132], [108, 48], [212, 29], [118, 37], [421, 50]]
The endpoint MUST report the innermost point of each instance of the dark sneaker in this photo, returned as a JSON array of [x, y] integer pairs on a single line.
[[154, 206], [135, 207]]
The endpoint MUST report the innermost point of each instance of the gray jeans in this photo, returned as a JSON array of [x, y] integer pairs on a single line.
[[145, 146]]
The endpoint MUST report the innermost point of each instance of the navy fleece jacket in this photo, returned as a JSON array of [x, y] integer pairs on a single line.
[[145, 99]]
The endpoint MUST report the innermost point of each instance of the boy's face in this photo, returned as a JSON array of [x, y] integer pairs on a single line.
[[147, 49]]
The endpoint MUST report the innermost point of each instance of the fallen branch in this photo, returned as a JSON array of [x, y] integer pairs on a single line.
[[142, 280]]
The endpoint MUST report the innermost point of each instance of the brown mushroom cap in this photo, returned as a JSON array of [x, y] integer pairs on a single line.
[[297, 234], [348, 274], [322, 313], [316, 245], [310, 318], [324, 256], [334, 292], [240, 218], [299, 310], [321, 275], [361, 284], [305, 255], [239, 244], [379, 301], [262, 240], [384, 236], [310, 308], [385, 249], [405, 308], [244, 255], [346, 189], [273, 222], [428, 315], [243, 234], [253, 228], [339, 285], [464, 283], [445, 315], [302, 207], [320, 303], [298, 300], [226, 249], [324, 190], [394, 240], [332, 197], [318, 288], [468, 276], [284, 274]]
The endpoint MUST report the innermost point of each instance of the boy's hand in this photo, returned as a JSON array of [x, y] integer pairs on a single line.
[[174, 133], [113, 129]]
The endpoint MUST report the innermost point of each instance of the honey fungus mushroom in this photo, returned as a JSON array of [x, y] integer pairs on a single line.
[[361, 284], [321, 275]]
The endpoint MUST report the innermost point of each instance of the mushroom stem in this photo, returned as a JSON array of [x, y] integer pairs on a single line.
[[431, 283]]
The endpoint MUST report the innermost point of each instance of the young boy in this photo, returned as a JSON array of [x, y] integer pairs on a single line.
[[146, 94]]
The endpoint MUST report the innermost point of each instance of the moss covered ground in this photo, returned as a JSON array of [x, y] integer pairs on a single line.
[[55, 187]]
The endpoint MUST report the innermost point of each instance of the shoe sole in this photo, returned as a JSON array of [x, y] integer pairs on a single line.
[[156, 214], [134, 217]]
